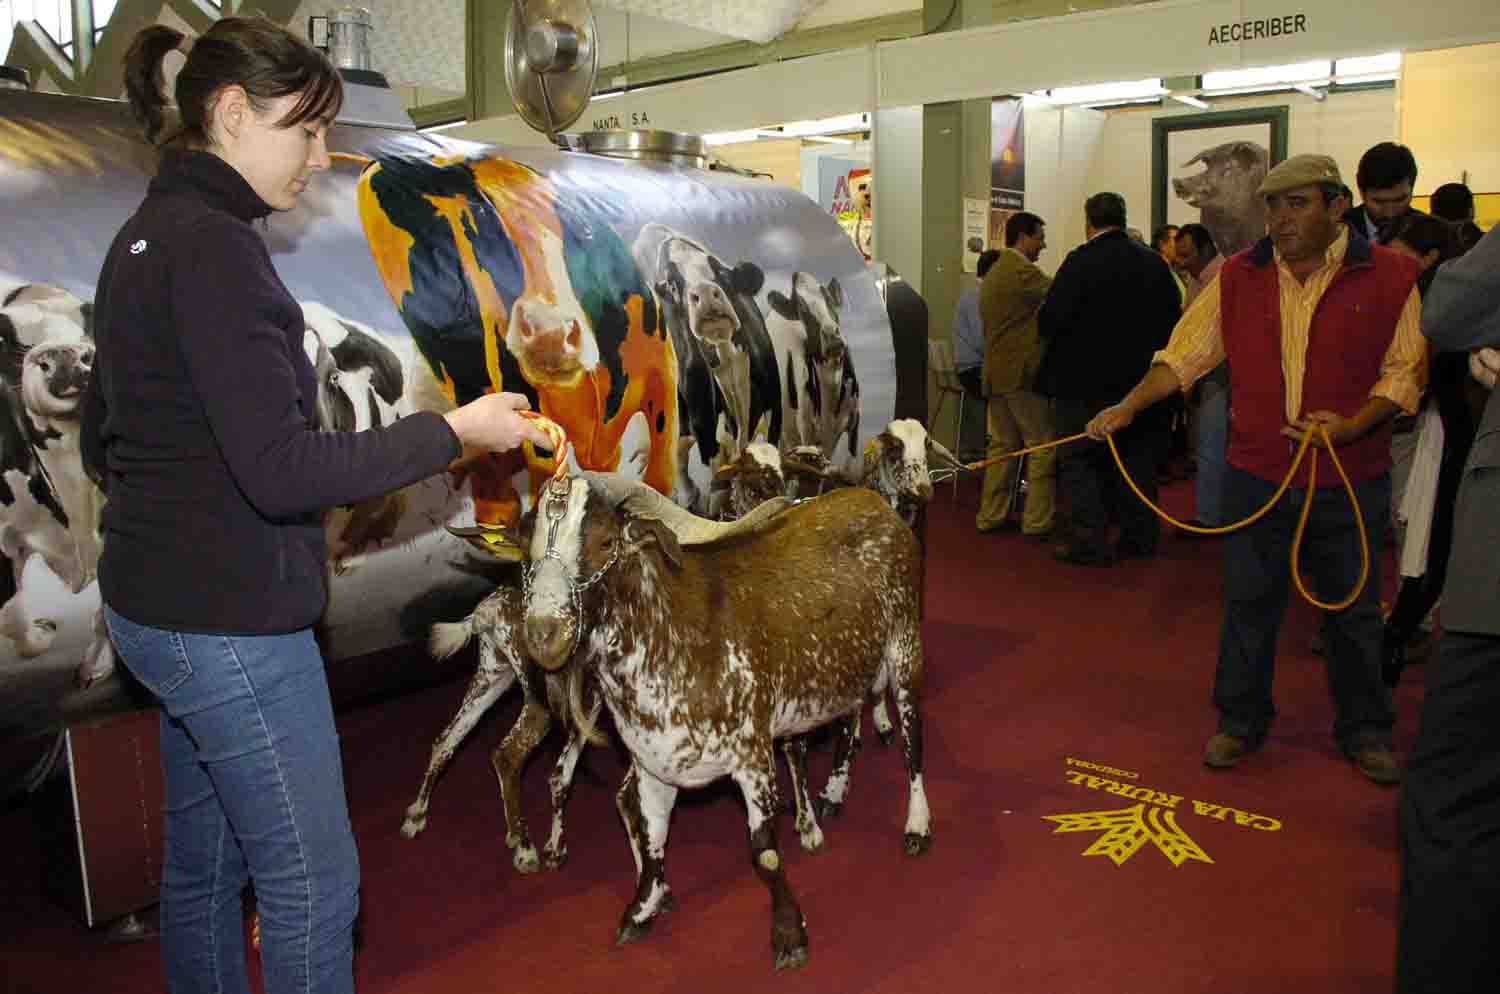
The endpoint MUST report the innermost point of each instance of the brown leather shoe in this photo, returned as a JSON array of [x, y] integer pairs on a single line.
[[1224, 751], [1376, 763]]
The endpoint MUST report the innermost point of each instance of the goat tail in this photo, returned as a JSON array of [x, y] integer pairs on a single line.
[[586, 719], [447, 638]]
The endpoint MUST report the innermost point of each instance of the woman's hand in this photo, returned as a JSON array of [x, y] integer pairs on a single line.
[[493, 423]]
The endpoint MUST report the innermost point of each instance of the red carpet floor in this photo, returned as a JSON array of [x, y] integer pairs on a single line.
[[1080, 844]]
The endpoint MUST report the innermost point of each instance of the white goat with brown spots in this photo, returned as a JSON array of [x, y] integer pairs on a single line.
[[708, 641], [497, 623]]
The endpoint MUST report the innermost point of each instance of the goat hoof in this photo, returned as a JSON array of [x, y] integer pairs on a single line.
[[828, 809], [632, 931], [812, 839], [916, 845], [555, 858], [885, 735], [412, 827], [525, 860], [791, 959]]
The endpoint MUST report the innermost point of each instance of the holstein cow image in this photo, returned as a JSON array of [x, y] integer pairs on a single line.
[[506, 287], [820, 393], [1225, 193], [49, 506], [708, 641], [726, 361], [360, 385]]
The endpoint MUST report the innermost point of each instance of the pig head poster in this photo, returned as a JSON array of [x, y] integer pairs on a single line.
[[1208, 167], [666, 317]]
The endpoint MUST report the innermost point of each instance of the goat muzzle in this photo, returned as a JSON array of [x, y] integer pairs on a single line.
[[549, 641]]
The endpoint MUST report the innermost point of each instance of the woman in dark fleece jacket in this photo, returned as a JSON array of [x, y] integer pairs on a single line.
[[199, 420]]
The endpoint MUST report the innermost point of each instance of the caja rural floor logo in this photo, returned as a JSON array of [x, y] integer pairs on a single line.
[[1123, 832]]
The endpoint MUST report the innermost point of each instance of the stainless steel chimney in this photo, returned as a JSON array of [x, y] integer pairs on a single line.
[[349, 37]]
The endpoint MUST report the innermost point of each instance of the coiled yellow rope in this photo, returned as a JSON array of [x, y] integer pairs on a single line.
[[1312, 482]]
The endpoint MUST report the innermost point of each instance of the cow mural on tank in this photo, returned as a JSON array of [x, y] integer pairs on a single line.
[[505, 288], [430, 271]]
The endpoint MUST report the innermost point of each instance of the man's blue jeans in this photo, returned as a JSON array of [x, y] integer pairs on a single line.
[[1213, 440], [254, 792], [1257, 581]]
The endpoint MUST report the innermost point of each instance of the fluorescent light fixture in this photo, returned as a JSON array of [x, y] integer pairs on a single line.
[[1311, 91], [1266, 77], [443, 127], [826, 126], [1390, 62], [828, 139], [731, 137], [1370, 69], [1183, 98], [1133, 91]]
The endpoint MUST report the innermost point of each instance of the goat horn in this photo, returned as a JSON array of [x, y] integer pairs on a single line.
[[798, 466], [944, 454], [500, 543], [646, 502]]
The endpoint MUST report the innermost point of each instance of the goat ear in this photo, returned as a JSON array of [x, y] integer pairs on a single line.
[[941, 451], [874, 452], [651, 530], [501, 544]]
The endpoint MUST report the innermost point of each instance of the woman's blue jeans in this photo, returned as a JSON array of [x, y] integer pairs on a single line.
[[254, 792]]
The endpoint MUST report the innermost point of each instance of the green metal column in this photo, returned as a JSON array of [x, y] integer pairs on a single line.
[[955, 165], [484, 66]]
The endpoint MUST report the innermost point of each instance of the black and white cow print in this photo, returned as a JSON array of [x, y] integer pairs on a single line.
[[49, 507]]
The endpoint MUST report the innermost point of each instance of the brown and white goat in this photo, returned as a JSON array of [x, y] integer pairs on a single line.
[[706, 655]]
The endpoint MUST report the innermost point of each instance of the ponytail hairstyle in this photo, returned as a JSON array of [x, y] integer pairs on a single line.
[[258, 55]]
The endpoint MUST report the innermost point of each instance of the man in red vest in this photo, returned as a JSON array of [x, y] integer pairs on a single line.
[[1320, 328]]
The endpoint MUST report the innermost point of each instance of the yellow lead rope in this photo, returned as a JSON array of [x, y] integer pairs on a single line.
[[1312, 482]]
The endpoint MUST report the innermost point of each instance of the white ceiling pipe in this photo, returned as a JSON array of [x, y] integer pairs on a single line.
[[762, 21]]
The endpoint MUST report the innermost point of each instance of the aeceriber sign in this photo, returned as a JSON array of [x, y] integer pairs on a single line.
[[1264, 27]]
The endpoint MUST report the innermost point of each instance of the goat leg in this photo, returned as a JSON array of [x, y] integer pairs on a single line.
[[918, 837], [788, 928], [492, 679], [884, 730], [645, 805], [845, 747], [507, 760], [555, 853], [795, 749]]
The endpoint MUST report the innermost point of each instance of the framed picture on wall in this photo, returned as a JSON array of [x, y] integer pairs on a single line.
[[1207, 167]]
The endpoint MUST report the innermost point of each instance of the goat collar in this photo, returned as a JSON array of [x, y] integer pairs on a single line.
[[554, 507]]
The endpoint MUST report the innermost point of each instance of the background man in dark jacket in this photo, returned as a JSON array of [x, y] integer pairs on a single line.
[[1387, 173], [1113, 304]]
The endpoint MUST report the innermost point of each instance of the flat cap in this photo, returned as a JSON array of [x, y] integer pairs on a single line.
[[1301, 170]]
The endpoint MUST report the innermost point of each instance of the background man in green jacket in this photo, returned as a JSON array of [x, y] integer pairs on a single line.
[[1009, 298]]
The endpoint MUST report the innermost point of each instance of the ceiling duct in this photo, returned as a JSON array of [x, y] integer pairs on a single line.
[[762, 22]]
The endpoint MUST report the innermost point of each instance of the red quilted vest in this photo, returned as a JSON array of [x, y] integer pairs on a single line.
[[1351, 330]]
